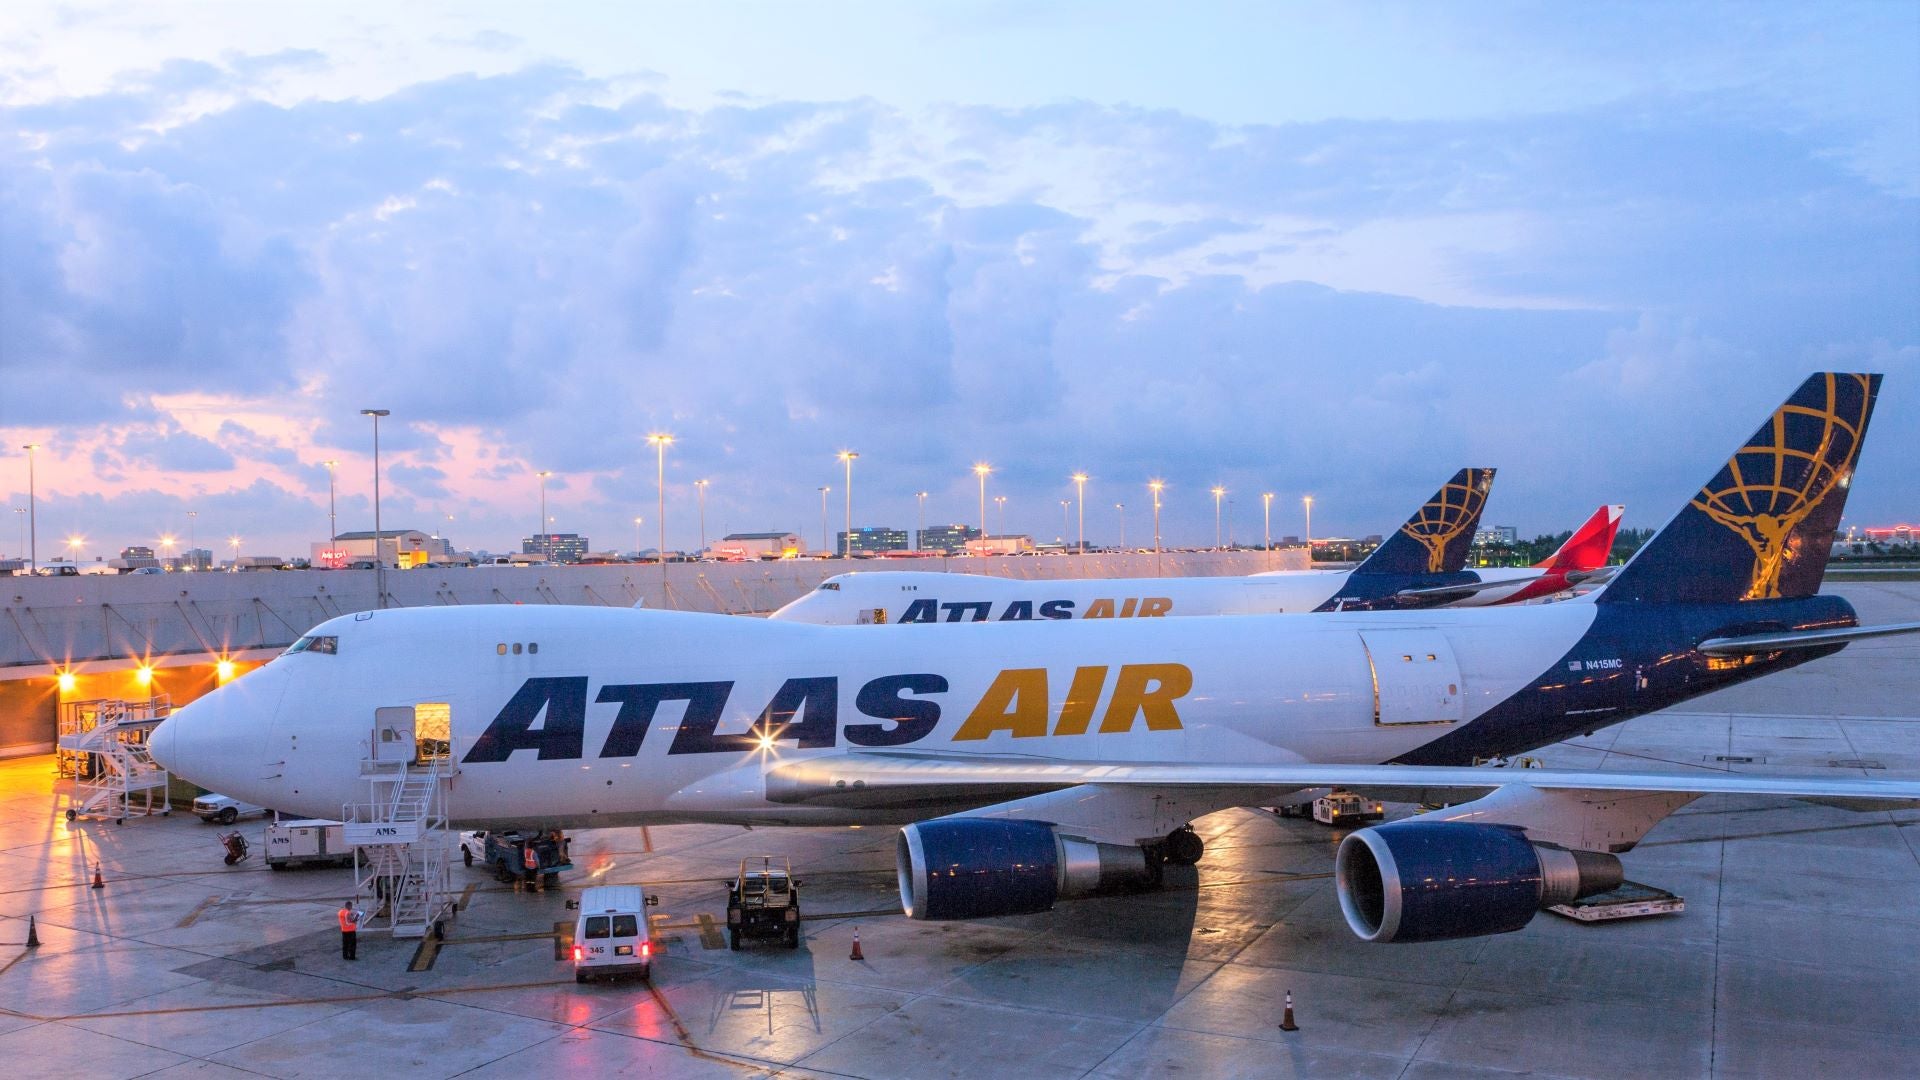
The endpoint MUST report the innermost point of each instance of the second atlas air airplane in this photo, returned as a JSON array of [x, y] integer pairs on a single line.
[[1419, 566], [1032, 761]]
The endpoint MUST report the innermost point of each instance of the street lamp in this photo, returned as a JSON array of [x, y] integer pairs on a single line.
[[234, 543], [700, 488], [1001, 502], [636, 536], [1308, 499], [22, 511], [333, 527], [74, 544], [981, 469], [1080, 498], [166, 551], [191, 559], [1122, 507], [1266, 503], [826, 538], [379, 556], [660, 443], [1156, 486], [1217, 492], [543, 536], [33, 515], [920, 518], [847, 456], [1064, 505]]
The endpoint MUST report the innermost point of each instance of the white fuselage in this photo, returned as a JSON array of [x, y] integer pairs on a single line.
[[608, 703], [916, 596]]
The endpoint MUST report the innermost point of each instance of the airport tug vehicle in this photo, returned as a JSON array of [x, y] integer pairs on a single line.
[[764, 902]]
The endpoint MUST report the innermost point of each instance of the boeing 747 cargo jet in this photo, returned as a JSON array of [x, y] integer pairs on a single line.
[[911, 597], [1030, 761]]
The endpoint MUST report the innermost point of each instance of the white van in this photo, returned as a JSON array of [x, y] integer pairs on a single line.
[[611, 936]]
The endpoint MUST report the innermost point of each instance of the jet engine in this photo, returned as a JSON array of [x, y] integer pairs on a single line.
[[977, 868], [1417, 880]]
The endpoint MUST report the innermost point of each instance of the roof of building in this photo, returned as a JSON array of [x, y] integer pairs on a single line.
[[759, 536], [387, 534]]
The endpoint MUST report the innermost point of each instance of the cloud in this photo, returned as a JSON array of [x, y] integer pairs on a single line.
[[537, 269]]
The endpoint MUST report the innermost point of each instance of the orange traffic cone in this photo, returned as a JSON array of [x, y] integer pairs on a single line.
[[33, 934], [856, 945], [1286, 1018], [97, 882]]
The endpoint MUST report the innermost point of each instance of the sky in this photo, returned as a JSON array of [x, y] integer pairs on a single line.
[[1337, 250]]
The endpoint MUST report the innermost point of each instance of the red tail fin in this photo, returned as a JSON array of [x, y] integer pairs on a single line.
[[1588, 547]]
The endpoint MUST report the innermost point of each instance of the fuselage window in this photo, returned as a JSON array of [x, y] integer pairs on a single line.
[[516, 648], [500, 649], [533, 646]]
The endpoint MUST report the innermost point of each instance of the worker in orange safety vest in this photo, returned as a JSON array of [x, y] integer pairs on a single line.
[[530, 858], [349, 931]]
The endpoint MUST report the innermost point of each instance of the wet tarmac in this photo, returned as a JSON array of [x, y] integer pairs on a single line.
[[1798, 953]]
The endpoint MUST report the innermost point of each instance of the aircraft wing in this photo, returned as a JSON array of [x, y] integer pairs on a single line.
[[862, 777], [1801, 639]]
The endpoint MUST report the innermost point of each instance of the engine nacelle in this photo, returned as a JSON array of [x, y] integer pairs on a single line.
[[979, 868], [1420, 880]]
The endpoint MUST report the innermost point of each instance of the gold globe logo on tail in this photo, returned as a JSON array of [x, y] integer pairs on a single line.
[[1446, 515], [1770, 486]]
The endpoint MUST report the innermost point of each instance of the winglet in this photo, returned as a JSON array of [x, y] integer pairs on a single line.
[[1436, 538], [1763, 527]]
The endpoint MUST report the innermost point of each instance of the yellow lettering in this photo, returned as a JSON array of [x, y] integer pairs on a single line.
[[1126, 609], [1148, 689], [1099, 609], [1082, 696], [1016, 702], [1155, 605]]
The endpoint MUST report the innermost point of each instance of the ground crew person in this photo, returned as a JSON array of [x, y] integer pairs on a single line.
[[530, 858], [349, 931]]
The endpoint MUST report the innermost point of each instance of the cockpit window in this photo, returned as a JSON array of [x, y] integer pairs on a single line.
[[320, 643], [828, 586]]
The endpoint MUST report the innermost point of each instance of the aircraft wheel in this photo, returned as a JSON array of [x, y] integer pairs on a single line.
[[1184, 846], [71, 815]]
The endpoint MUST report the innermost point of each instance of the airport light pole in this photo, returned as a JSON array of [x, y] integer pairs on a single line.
[[74, 544], [333, 525], [1308, 500], [920, 518], [637, 542], [542, 535], [981, 469], [826, 538], [166, 549], [1080, 500], [33, 515], [847, 457], [660, 443], [22, 511], [700, 491], [1156, 486], [1217, 492], [1266, 502], [191, 516], [1122, 507], [234, 543], [379, 556], [1000, 503], [1064, 504]]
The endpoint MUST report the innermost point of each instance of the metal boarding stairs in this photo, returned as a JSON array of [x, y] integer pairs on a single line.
[[401, 871], [103, 746]]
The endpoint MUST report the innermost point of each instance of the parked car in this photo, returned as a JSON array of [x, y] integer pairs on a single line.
[[224, 809]]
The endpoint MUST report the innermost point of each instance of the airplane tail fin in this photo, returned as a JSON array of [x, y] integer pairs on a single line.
[[1435, 539], [1763, 526], [1587, 549]]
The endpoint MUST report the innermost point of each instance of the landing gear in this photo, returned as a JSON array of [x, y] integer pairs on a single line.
[[1183, 847]]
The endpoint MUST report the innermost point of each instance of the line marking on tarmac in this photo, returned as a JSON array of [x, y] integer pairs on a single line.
[[196, 912]]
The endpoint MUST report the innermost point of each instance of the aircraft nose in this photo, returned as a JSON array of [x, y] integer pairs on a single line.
[[218, 741]]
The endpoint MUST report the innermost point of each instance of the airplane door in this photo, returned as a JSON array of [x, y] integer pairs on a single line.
[[1416, 679], [393, 734]]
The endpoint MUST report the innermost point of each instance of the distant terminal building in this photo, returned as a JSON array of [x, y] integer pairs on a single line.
[[557, 547], [1496, 536], [134, 557], [873, 540], [1004, 544], [951, 539], [759, 545], [403, 548]]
